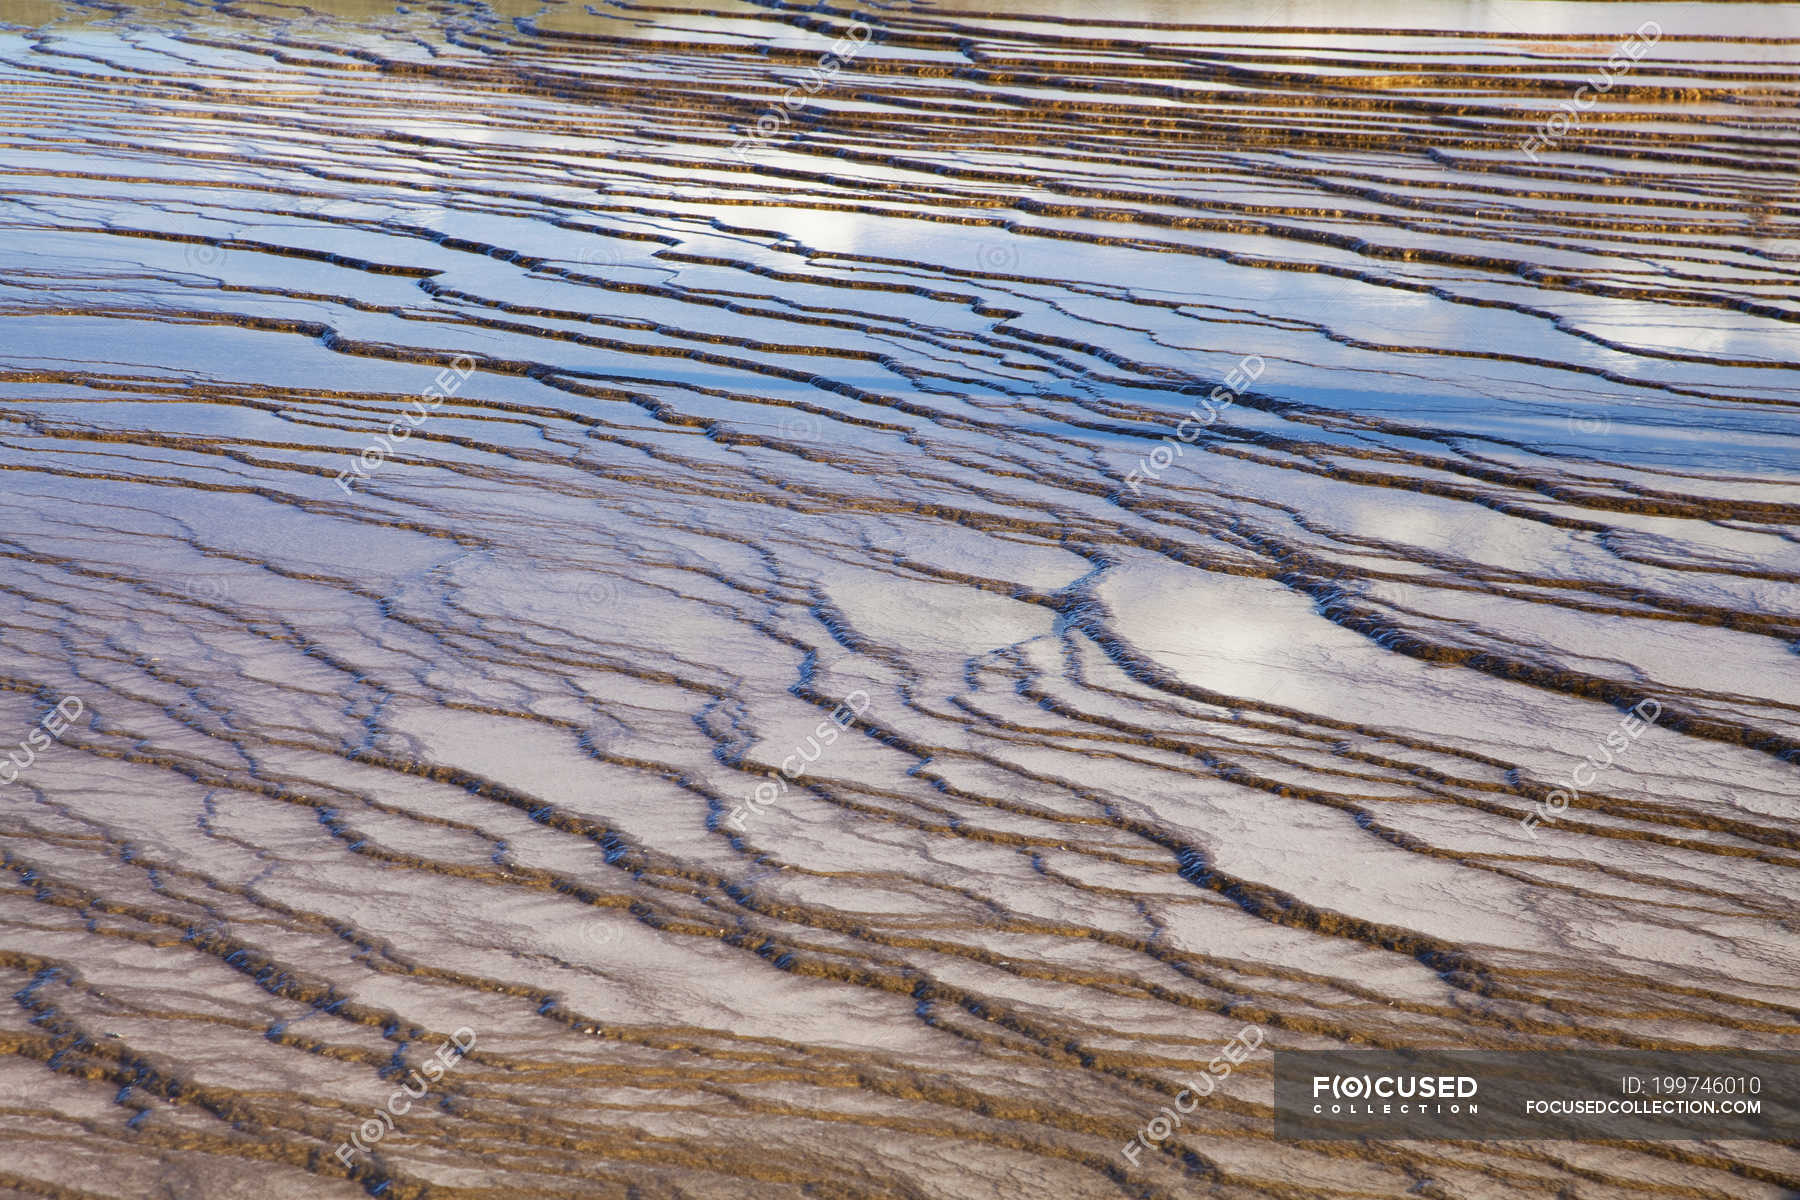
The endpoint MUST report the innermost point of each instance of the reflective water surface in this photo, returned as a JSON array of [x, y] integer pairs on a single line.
[[698, 552]]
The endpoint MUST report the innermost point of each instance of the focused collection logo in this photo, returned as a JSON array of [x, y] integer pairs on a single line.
[[1565, 1095], [1378, 1094]]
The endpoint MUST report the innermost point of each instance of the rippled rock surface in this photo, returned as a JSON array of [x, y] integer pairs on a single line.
[[843, 624]]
